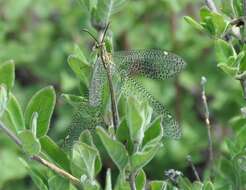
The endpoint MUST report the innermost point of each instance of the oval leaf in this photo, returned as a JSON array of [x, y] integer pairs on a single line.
[[115, 149], [30, 144], [43, 102], [54, 152], [7, 74]]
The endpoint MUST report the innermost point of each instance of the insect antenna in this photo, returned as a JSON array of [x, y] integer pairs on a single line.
[[105, 31], [90, 34]]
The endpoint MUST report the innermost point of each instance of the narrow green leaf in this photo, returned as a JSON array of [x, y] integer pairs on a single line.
[[43, 102], [73, 100], [30, 144], [140, 180], [7, 74], [193, 23], [58, 183], [15, 113], [115, 149], [54, 152], [108, 185]]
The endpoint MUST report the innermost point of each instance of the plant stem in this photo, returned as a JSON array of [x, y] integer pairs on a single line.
[[211, 5], [207, 121], [56, 169], [42, 161], [10, 134], [193, 168], [132, 181]]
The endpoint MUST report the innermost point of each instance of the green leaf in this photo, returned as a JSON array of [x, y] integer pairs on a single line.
[[138, 116], [58, 183], [135, 121], [185, 184], [7, 74], [30, 144], [241, 61], [3, 99], [152, 145], [140, 159], [108, 180], [158, 185], [83, 160], [43, 102], [232, 71], [36, 177], [85, 137], [115, 149], [208, 186], [80, 65], [10, 166], [223, 51], [153, 133], [219, 23], [206, 20], [15, 113], [197, 185], [54, 152], [105, 8], [121, 183], [193, 23], [73, 100], [109, 44], [238, 7], [90, 4], [140, 180]]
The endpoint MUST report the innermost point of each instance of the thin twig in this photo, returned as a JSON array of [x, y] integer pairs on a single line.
[[211, 5], [42, 161], [56, 169], [10, 134], [207, 121], [193, 167]]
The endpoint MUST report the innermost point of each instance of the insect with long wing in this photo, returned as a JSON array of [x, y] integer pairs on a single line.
[[154, 64]]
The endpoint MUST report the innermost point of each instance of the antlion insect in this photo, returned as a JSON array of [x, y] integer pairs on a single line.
[[127, 65]]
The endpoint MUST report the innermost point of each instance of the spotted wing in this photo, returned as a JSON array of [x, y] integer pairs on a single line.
[[154, 64]]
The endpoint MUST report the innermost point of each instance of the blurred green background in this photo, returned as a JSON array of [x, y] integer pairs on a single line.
[[40, 34]]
